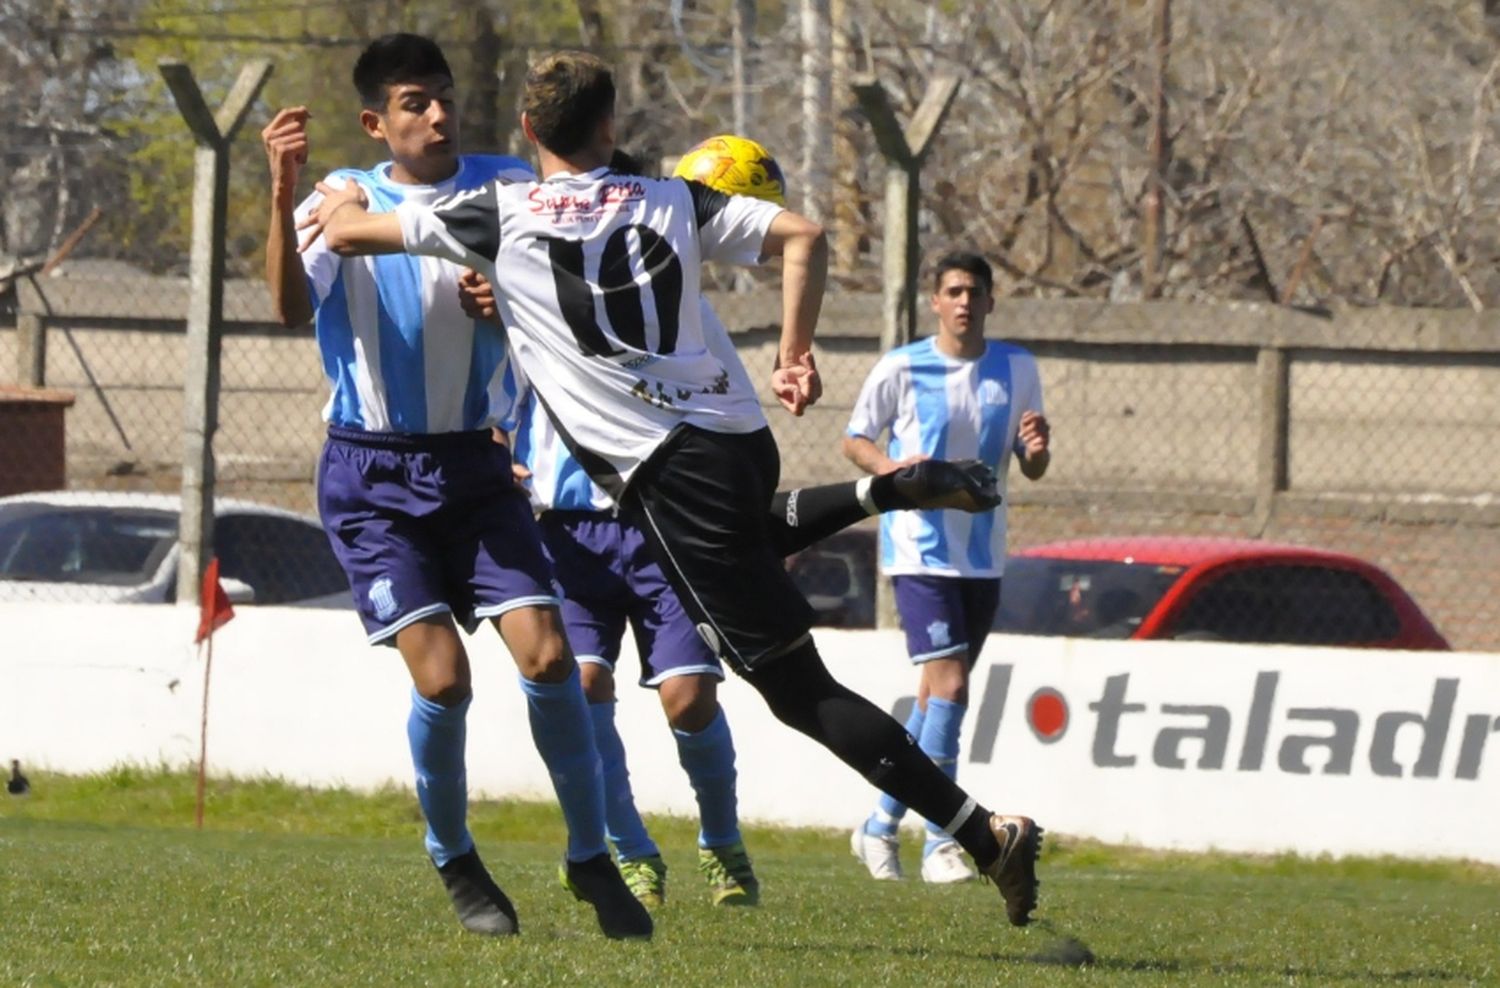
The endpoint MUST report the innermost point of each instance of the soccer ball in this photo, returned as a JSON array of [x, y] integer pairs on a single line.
[[736, 165]]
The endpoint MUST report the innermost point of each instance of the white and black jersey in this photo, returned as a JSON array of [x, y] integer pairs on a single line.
[[597, 279]]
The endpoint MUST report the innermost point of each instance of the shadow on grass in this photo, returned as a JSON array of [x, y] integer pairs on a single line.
[[1064, 952]]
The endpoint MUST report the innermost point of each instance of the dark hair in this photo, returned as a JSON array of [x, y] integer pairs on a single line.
[[625, 163], [396, 58], [568, 93], [964, 260]]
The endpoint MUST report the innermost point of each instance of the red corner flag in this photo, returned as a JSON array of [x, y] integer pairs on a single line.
[[214, 609]]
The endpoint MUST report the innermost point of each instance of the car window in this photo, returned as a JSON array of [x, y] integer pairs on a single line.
[[284, 560], [86, 545], [1289, 605], [1079, 598]]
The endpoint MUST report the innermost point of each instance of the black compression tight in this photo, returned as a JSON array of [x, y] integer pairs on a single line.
[[803, 695]]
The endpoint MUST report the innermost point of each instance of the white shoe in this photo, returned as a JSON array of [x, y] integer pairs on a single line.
[[878, 854], [945, 865]]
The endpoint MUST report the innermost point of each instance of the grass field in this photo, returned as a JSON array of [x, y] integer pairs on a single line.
[[103, 881]]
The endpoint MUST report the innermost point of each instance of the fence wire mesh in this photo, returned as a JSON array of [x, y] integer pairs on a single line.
[[1374, 433], [1376, 438]]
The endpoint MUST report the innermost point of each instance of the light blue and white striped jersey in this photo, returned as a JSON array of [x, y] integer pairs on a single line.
[[557, 480], [398, 351], [951, 409]]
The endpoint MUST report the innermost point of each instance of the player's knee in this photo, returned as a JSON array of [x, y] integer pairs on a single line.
[[598, 682], [445, 687], [690, 702], [547, 660]]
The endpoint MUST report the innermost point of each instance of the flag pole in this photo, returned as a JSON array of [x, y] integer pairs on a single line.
[[203, 732]]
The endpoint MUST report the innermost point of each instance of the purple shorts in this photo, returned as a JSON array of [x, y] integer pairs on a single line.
[[609, 577], [429, 524], [945, 617]]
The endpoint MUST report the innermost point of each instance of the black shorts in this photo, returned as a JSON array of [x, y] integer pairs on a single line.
[[704, 501]]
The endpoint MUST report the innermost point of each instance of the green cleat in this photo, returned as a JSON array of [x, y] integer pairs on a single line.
[[647, 879], [731, 880]]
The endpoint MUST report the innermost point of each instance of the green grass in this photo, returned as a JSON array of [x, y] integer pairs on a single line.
[[104, 881]]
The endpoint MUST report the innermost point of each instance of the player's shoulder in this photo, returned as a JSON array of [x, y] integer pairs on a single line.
[[916, 351], [1014, 351]]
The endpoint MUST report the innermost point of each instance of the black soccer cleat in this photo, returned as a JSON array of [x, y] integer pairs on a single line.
[[481, 906], [597, 881], [1014, 870], [960, 485]]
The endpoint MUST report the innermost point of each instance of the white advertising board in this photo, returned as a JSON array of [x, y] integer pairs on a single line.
[[1170, 745]]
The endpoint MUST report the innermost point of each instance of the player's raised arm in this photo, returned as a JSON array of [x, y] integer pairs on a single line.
[[803, 247], [285, 141]]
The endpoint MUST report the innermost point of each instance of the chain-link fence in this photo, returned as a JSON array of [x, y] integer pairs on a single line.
[[1372, 434]]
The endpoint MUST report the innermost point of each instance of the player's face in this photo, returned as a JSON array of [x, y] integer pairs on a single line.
[[420, 127], [961, 304]]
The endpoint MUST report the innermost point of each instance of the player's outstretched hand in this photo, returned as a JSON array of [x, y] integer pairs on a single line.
[[285, 141], [476, 295], [333, 200], [797, 386]]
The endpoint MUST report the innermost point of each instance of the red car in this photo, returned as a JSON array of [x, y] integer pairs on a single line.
[[1236, 590]]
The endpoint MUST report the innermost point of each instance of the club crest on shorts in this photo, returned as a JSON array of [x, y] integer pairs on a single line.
[[383, 598], [937, 633]]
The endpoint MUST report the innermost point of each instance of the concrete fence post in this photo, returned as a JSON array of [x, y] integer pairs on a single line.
[[213, 134]]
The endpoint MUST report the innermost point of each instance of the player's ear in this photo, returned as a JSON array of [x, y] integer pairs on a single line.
[[527, 129], [373, 124]]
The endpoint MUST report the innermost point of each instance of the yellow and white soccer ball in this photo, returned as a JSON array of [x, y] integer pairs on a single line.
[[736, 165]]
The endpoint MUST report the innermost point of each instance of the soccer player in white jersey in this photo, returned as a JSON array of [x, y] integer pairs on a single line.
[[597, 280], [949, 395], [418, 502]]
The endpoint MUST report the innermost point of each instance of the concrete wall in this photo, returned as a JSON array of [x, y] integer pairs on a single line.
[[1170, 745]]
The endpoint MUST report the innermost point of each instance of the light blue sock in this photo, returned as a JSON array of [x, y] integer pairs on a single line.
[[708, 758], [436, 734], [886, 819], [564, 735], [939, 741], [627, 831]]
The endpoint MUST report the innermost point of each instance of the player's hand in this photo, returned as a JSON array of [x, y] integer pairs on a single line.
[[333, 200], [1034, 433], [797, 386], [520, 474], [285, 141], [476, 295]]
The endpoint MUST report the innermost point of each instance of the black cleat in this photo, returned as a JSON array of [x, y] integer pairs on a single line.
[[962, 485], [1014, 871], [481, 906], [597, 881]]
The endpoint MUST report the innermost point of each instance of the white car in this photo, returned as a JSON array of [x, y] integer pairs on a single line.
[[115, 547]]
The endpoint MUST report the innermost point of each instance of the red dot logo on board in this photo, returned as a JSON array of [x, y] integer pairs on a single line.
[[1047, 715]]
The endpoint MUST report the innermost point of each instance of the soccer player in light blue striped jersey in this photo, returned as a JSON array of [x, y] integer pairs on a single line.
[[417, 500], [610, 580], [953, 395]]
